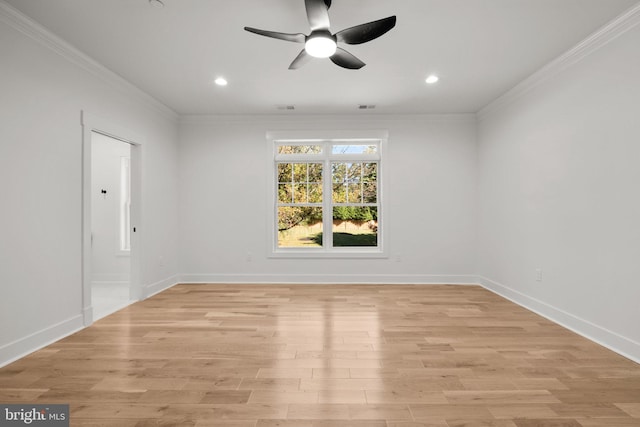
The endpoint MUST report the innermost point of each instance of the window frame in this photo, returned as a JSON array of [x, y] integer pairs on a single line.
[[326, 140], [124, 207]]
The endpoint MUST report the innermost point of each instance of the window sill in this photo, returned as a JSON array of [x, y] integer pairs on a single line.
[[321, 254]]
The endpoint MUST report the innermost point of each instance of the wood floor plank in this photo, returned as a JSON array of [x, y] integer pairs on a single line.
[[632, 409], [328, 356], [286, 397], [523, 411], [380, 412], [481, 423], [342, 396], [433, 423], [496, 397], [379, 397], [548, 423], [608, 422], [322, 411]]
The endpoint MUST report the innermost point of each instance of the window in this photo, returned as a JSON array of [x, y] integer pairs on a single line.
[[125, 204], [326, 197]]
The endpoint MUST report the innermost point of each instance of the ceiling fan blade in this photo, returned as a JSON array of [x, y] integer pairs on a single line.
[[318, 14], [300, 60], [297, 38], [346, 60], [366, 32]]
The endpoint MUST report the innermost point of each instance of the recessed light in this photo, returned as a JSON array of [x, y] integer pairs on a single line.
[[156, 3], [221, 81], [432, 79]]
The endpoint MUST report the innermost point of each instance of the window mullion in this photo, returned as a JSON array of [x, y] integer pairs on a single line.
[[327, 206]]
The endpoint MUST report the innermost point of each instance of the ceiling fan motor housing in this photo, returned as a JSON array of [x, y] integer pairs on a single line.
[[321, 34]]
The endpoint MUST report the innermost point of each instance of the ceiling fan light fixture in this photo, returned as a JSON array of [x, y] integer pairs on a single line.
[[156, 3], [321, 46], [432, 79]]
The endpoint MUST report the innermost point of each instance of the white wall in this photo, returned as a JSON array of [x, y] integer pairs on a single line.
[[43, 94], [430, 201], [559, 176], [109, 263]]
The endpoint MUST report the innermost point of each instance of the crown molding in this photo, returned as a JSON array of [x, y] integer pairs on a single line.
[[315, 119], [595, 41], [27, 26]]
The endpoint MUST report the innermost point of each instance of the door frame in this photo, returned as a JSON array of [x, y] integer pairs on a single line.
[[91, 123]]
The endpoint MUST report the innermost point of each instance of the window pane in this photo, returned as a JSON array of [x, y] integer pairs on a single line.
[[354, 149], [339, 193], [299, 149], [300, 193], [354, 172], [284, 172], [370, 192], [299, 227], [369, 172], [355, 226], [338, 172], [315, 193], [300, 172], [339, 179], [315, 172], [354, 194], [285, 193]]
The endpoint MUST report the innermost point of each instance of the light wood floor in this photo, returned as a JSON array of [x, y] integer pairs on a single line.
[[321, 356]]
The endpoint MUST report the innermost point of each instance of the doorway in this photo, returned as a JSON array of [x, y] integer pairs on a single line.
[[110, 224], [111, 193]]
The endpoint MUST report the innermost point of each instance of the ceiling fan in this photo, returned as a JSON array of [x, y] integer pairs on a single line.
[[321, 43]]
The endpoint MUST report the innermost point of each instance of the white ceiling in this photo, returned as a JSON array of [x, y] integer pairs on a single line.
[[479, 48]]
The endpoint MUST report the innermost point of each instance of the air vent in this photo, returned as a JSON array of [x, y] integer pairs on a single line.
[[366, 107], [286, 107]]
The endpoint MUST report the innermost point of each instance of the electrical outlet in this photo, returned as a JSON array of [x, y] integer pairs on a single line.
[[249, 257], [538, 275]]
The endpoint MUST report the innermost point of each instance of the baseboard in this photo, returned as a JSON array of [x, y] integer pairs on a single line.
[[87, 315], [18, 349], [347, 279], [109, 282], [606, 338], [160, 286]]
